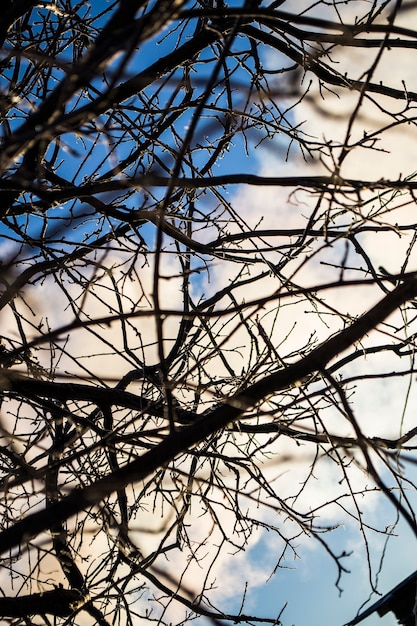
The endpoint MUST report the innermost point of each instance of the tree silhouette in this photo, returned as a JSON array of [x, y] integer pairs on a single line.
[[181, 329]]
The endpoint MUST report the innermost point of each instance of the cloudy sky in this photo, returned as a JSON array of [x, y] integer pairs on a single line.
[[306, 581]]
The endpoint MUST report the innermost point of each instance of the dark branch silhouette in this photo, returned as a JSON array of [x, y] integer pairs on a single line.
[[204, 270]]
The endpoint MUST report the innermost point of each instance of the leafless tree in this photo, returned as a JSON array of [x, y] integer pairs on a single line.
[[173, 341]]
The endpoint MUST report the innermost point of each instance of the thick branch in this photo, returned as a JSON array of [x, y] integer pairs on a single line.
[[59, 602], [320, 183]]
